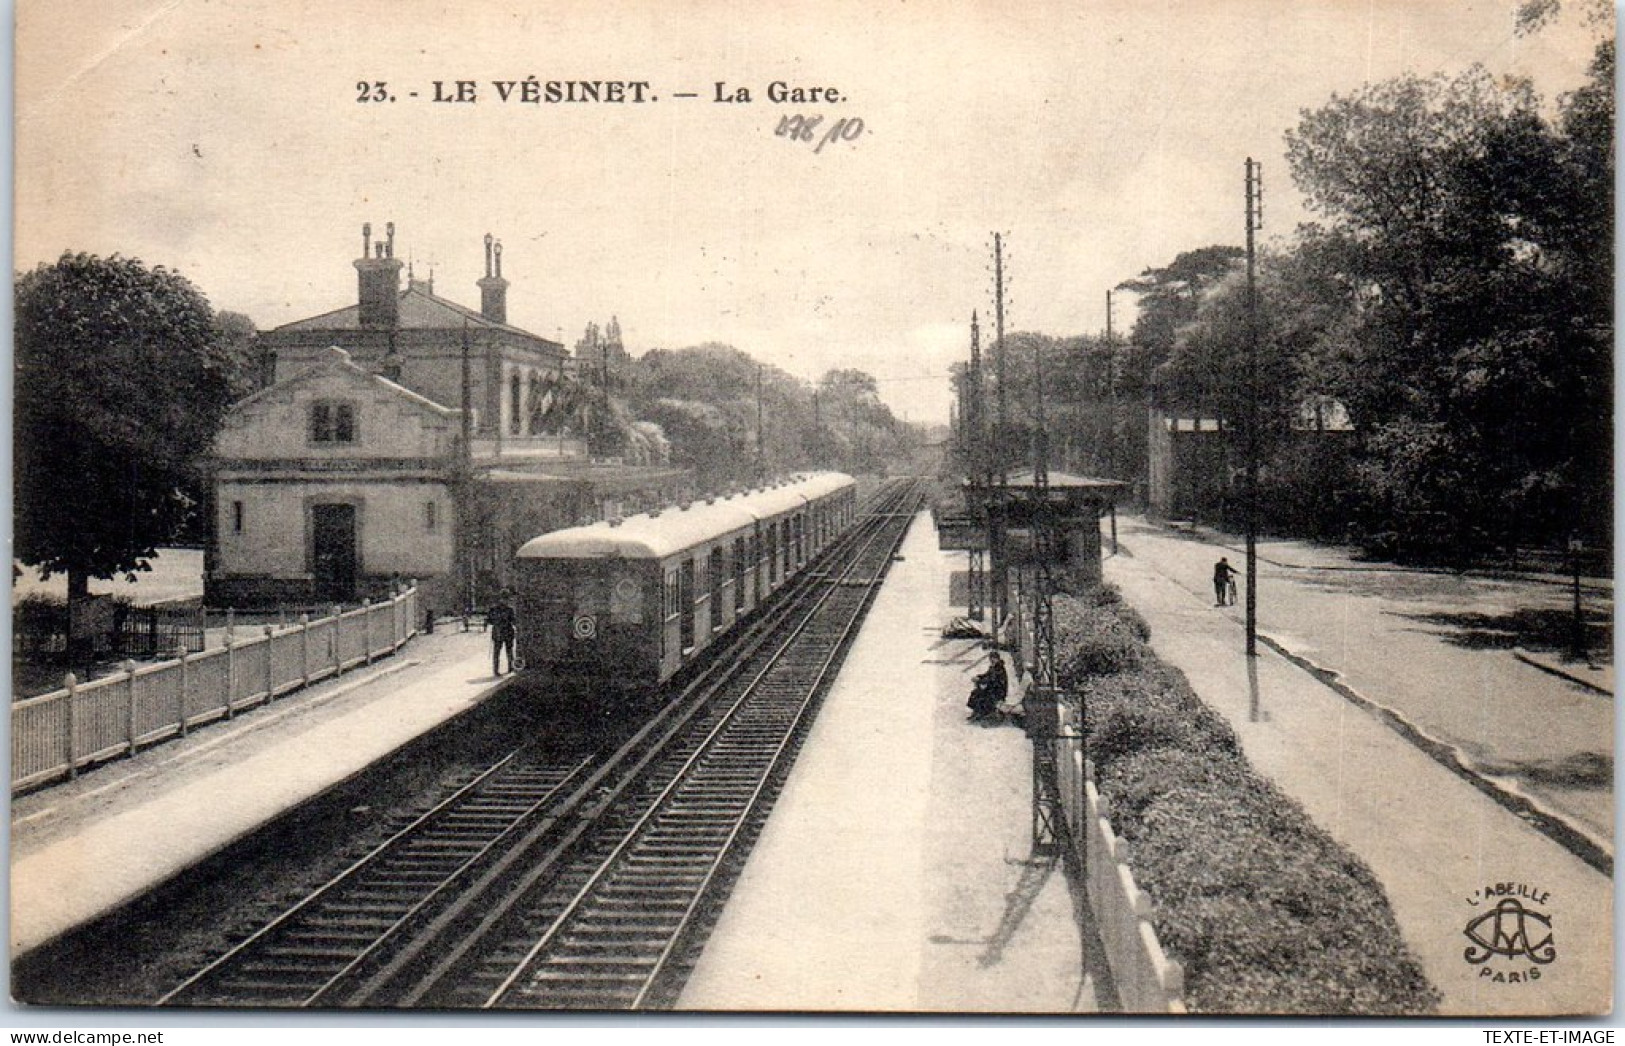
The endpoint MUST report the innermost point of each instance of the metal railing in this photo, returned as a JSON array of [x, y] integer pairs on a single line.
[[55, 734]]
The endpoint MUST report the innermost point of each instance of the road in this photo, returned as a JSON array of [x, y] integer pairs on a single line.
[[1433, 648]]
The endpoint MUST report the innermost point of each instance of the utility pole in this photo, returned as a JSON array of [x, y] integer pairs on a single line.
[[1255, 220], [1112, 454], [761, 456], [1000, 486], [1048, 814], [976, 459], [465, 478]]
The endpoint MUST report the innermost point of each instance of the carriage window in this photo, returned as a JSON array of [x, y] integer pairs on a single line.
[[626, 601], [715, 572], [237, 517]]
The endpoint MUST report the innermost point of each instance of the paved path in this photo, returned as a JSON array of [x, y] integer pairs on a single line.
[[1435, 842], [82, 848], [896, 872], [1438, 649]]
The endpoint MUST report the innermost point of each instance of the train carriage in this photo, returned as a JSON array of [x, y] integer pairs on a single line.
[[632, 602]]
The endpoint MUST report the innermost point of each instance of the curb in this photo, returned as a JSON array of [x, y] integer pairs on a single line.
[[1213, 537], [1554, 826], [1555, 670]]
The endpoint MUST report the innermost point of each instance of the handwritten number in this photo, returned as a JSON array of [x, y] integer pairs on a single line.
[[798, 128], [805, 129], [844, 129]]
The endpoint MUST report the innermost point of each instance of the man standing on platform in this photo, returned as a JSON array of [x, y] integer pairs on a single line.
[[503, 623]]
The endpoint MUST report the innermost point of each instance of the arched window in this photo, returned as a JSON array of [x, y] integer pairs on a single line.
[[533, 419]]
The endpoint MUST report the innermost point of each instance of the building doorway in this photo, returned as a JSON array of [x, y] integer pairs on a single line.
[[333, 551]]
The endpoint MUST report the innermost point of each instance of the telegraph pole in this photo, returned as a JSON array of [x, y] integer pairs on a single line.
[[1000, 487], [761, 456], [976, 459], [465, 477], [1255, 220], [1112, 454], [1048, 814]]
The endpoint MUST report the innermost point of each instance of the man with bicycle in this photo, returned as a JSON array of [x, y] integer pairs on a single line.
[[1224, 582]]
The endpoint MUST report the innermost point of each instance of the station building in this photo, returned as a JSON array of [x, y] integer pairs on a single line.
[[1196, 461], [406, 437]]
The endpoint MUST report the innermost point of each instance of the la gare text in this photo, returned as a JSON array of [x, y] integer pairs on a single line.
[[613, 92]]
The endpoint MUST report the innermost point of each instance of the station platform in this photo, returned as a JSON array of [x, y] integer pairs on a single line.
[[86, 847], [896, 872]]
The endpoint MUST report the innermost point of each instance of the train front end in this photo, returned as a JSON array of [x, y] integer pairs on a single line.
[[587, 615]]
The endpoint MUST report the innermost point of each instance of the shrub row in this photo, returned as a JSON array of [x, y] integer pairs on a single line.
[[1267, 913]]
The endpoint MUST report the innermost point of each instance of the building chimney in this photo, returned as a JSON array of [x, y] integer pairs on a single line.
[[379, 279], [493, 288]]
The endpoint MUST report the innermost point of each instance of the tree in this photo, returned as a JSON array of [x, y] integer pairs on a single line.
[[1168, 297], [240, 342], [121, 385], [1465, 227]]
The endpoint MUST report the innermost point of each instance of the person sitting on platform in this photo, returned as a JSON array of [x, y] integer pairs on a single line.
[[989, 690]]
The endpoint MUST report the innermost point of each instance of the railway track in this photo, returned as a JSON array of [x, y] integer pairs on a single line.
[[297, 958], [582, 885]]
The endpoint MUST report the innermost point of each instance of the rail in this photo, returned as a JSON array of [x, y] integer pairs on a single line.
[[388, 932], [54, 735]]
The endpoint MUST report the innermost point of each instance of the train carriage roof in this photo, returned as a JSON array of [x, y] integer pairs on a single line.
[[673, 530]]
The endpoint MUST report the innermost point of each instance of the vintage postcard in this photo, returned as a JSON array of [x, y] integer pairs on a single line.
[[925, 507]]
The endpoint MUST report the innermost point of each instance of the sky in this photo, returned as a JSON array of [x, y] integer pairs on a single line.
[[226, 140]]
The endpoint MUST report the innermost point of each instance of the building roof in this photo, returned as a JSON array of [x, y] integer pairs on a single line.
[[1058, 480], [336, 360], [603, 478], [419, 310], [670, 531]]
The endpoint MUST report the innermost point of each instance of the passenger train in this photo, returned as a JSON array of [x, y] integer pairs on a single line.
[[630, 603]]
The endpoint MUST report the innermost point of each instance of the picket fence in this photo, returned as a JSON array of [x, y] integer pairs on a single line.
[[1147, 980], [54, 735]]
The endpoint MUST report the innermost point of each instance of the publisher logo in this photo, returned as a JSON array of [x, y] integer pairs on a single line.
[[1510, 935]]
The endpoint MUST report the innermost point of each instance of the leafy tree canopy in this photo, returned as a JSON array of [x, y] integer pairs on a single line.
[[121, 384]]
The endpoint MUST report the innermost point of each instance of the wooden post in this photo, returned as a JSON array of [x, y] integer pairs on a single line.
[[366, 629], [304, 648], [129, 683], [270, 678], [72, 683], [333, 640], [180, 702], [231, 668]]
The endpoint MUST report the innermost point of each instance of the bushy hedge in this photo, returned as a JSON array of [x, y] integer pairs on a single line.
[[1267, 913]]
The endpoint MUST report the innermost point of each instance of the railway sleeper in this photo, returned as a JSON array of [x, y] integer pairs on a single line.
[[284, 990], [691, 813], [643, 953], [629, 925], [641, 901], [355, 922], [311, 950], [581, 973]]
